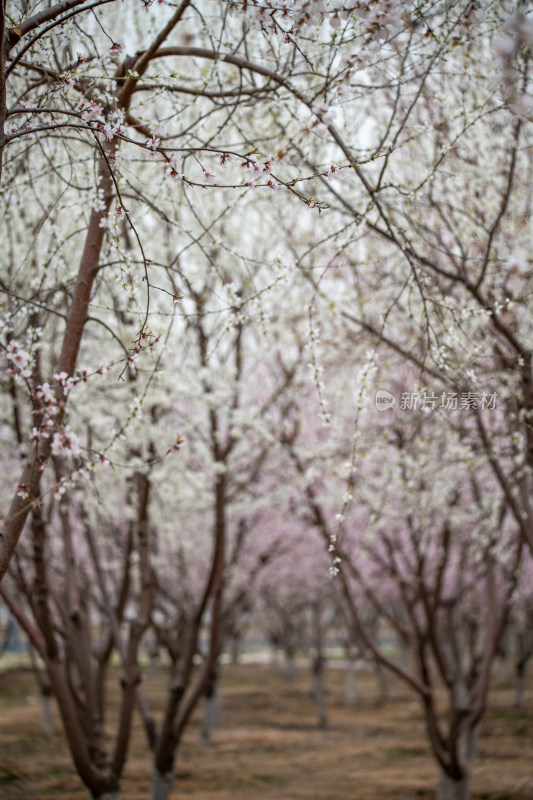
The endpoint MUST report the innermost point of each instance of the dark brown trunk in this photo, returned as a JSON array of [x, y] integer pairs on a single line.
[[77, 317]]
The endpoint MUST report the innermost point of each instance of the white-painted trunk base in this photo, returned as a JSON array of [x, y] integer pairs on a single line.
[[290, 668], [161, 786], [212, 716], [48, 723], [448, 789]]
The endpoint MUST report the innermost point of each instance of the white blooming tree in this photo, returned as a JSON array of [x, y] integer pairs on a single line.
[[73, 106]]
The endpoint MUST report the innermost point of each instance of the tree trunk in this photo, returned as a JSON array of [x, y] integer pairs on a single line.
[[504, 656], [524, 651], [161, 785], [4, 52], [290, 665], [211, 712], [45, 689], [474, 741], [319, 667], [382, 682], [453, 789], [351, 678], [235, 648], [77, 317], [520, 675], [274, 654], [319, 664], [48, 722]]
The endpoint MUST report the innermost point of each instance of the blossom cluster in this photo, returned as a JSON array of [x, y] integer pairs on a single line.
[[288, 17], [250, 165], [93, 114], [19, 360]]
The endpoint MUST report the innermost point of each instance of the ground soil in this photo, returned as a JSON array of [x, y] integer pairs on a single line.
[[267, 745]]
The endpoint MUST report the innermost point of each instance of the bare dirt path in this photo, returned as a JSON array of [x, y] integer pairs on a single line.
[[268, 746]]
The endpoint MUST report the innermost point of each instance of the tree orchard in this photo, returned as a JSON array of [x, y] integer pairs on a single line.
[[193, 197]]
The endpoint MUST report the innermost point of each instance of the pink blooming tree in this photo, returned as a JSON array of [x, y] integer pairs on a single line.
[[437, 559], [519, 638], [296, 604]]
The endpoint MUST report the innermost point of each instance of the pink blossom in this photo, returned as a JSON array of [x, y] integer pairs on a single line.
[[65, 442], [18, 357], [116, 49], [80, 59], [109, 131], [37, 435], [177, 444], [173, 175], [65, 381], [45, 393], [253, 165], [171, 172], [92, 112], [333, 171]]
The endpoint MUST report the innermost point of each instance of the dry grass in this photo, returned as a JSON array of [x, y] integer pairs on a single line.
[[268, 747]]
